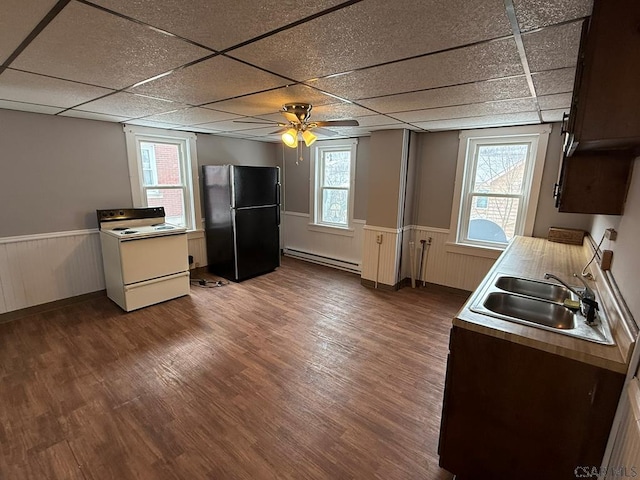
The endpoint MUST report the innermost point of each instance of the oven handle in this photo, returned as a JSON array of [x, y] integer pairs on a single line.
[[133, 286]]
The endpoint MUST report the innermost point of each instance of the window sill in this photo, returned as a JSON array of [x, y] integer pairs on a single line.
[[194, 234], [345, 232], [474, 250]]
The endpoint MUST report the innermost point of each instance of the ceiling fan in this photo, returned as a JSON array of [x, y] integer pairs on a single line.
[[298, 124]]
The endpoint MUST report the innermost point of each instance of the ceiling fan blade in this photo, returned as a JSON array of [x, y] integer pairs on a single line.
[[278, 132], [291, 117], [338, 123], [325, 132]]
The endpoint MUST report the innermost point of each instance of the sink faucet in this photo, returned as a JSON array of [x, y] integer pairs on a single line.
[[588, 304]]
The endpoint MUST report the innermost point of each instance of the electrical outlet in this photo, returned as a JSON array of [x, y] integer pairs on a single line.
[[378, 238], [611, 234]]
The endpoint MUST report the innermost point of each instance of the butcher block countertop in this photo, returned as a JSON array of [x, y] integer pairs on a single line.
[[531, 258]]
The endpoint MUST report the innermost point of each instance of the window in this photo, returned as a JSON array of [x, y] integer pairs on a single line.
[[333, 173], [163, 172], [497, 184]]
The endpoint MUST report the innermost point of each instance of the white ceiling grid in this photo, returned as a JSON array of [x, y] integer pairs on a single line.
[[209, 66]]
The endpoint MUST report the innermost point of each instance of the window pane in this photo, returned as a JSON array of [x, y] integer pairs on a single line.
[[167, 162], [500, 168], [172, 199], [337, 169], [335, 206], [496, 222]]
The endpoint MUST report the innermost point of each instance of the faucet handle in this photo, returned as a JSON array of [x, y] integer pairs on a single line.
[[588, 293], [591, 306]]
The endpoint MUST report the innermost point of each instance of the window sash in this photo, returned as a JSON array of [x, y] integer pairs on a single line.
[[469, 193], [319, 186], [187, 163]]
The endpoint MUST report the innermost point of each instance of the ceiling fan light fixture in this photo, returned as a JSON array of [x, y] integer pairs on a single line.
[[308, 138], [290, 138]]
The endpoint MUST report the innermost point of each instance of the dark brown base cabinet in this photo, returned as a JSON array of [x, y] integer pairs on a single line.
[[512, 411]]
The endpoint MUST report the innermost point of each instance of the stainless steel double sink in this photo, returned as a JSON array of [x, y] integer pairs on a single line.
[[539, 304]]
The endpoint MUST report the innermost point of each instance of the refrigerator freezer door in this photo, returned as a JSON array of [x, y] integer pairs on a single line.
[[254, 186], [257, 241]]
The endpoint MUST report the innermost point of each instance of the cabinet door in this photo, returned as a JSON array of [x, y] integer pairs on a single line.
[[594, 183], [512, 411], [608, 95]]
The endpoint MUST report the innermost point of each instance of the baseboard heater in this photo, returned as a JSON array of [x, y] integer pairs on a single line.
[[322, 260]]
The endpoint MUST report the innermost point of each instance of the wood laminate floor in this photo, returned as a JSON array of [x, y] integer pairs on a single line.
[[298, 374]]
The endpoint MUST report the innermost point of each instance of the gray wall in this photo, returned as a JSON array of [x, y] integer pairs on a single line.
[[385, 163], [56, 171], [438, 156], [297, 178], [216, 150]]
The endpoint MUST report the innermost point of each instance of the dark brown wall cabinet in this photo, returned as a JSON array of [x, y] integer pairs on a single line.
[[594, 182], [512, 411], [604, 114], [606, 97]]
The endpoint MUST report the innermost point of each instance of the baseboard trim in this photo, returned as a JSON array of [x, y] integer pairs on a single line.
[[47, 307], [323, 260]]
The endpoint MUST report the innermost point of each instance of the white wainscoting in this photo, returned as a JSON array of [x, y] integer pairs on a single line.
[[37, 269], [341, 251], [198, 248], [381, 261], [441, 266]]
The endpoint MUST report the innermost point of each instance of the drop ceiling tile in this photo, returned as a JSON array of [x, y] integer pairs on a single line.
[[376, 120], [191, 116], [93, 116], [481, 122], [219, 24], [553, 47], [195, 129], [17, 20], [148, 123], [32, 88], [88, 45], [554, 81], [554, 115], [29, 107], [339, 111], [376, 31], [235, 125], [129, 105], [552, 102], [266, 103], [542, 13], [501, 89], [472, 110], [464, 65], [214, 79]]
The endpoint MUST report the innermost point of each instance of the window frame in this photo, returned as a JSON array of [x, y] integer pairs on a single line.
[[316, 188], [470, 142], [186, 142]]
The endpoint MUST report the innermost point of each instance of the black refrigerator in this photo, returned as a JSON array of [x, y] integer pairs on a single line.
[[242, 220]]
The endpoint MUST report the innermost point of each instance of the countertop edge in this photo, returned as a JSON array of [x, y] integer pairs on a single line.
[[604, 356]]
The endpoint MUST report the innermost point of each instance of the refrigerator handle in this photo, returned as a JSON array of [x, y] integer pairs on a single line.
[[278, 215], [278, 193]]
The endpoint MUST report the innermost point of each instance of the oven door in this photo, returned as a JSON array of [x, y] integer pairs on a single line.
[[147, 258]]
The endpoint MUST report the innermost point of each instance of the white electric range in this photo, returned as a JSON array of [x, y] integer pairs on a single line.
[[146, 260]]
